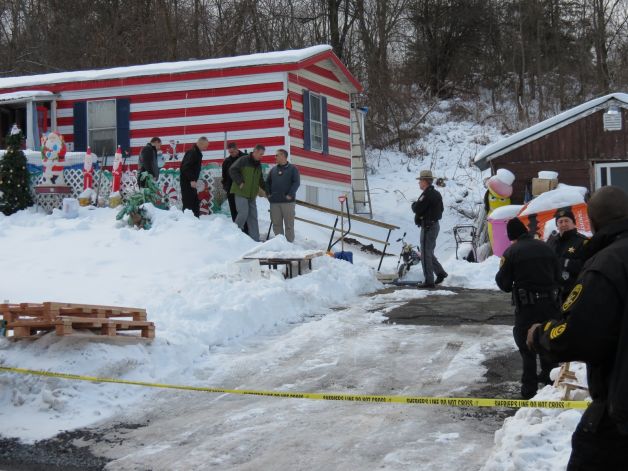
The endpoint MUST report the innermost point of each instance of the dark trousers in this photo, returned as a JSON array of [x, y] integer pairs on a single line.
[[597, 444], [429, 262], [525, 316], [189, 198], [529, 377], [234, 211]]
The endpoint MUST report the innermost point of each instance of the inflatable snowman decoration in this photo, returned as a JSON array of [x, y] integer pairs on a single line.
[[499, 190]]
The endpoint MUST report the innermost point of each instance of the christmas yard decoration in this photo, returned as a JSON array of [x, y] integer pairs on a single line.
[[134, 209], [85, 197], [499, 189], [114, 197], [14, 176], [53, 152]]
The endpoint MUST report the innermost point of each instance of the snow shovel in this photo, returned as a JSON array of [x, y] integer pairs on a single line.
[[342, 255]]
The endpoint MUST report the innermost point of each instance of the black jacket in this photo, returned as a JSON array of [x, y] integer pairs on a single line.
[[529, 269], [528, 264], [148, 161], [568, 247], [191, 166], [428, 208], [226, 165], [594, 328]]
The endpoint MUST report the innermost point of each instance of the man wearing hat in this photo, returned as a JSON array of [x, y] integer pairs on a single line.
[[529, 270], [594, 329], [567, 244], [428, 210]]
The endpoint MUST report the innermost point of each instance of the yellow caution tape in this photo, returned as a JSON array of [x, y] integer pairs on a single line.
[[419, 400]]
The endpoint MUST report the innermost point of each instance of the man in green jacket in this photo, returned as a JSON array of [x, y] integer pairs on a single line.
[[248, 181]]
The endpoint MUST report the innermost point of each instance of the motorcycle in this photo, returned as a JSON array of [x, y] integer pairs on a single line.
[[409, 255]]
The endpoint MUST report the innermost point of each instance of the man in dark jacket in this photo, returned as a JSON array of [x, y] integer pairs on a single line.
[[148, 161], [567, 244], [281, 185], [529, 270], [248, 182], [594, 329], [234, 154], [428, 210], [190, 171]]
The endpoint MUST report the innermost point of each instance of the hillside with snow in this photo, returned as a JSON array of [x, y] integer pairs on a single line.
[[216, 326]]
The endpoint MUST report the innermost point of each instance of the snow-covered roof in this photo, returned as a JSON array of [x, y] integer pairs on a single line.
[[26, 95], [545, 127], [266, 58]]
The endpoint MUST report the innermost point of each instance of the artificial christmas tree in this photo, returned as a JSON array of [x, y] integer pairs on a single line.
[[134, 205], [15, 193]]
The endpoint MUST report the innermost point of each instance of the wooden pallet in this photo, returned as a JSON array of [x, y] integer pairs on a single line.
[[26, 320]]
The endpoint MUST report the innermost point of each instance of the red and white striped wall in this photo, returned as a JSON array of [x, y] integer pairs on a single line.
[[250, 108]]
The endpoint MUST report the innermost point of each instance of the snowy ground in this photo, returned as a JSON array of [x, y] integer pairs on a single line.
[[216, 327]]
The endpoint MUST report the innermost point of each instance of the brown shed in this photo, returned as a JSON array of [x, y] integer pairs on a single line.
[[587, 146]]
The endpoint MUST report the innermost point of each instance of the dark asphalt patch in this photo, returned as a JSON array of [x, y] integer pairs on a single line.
[[466, 306]]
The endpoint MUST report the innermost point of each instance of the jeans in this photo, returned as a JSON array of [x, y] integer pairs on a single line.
[[429, 262]]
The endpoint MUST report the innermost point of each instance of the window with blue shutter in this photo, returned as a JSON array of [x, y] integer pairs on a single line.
[[123, 110], [80, 126], [316, 122], [306, 120]]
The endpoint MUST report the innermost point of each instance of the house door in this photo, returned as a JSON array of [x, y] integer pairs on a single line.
[[612, 174]]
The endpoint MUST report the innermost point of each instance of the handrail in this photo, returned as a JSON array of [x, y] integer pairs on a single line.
[[353, 217]]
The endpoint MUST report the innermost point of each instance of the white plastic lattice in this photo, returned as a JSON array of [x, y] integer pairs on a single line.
[[168, 183]]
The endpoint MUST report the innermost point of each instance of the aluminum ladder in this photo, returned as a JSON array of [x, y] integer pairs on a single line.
[[359, 171]]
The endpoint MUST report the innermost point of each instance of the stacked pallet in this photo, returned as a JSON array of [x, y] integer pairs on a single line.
[[27, 320]]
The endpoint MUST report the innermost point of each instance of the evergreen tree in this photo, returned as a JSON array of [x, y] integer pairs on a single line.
[[133, 207], [15, 191]]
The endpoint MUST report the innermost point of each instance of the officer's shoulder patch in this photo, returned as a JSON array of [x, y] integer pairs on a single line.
[[573, 297], [557, 331]]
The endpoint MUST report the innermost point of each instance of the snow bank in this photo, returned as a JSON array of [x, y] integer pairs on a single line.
[[538, 439], [180, 271]]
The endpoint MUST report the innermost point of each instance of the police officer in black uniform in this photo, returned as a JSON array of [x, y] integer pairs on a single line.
[[529, 270], [567, 243], [594, 329]]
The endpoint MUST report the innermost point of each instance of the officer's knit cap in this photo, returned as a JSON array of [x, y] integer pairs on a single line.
[[607, 205], [515, 229], [565, 213]]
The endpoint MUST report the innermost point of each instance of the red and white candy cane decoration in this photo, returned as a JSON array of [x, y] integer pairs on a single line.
[[117, 171], [88, 171]]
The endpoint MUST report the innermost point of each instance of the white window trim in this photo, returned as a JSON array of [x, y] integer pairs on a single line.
[[606, 166], [320, 101], [115, 128]]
